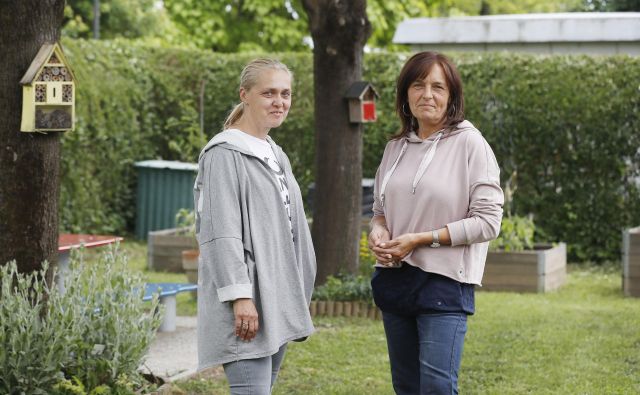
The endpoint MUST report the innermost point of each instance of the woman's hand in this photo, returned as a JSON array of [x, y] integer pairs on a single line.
[[397, 248], [246, 319], [379, 235]]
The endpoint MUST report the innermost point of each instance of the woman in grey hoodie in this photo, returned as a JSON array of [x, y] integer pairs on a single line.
[[257, 265], [437, 203]]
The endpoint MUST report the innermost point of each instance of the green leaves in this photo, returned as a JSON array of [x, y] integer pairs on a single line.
[[236, 26], [516, 234], [344, 288], [95, 334]]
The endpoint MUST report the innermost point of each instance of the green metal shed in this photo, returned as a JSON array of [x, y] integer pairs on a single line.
[[164, 187]]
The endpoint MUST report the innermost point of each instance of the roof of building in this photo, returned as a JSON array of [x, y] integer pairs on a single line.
[[518, 28]]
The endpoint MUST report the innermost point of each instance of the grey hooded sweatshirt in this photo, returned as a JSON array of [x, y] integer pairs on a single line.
[[247, 251]]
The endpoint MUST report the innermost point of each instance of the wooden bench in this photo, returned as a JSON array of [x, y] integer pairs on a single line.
[[167, 294]]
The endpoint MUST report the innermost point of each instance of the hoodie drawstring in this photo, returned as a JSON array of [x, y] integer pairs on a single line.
[[390, 172], [426, 160]]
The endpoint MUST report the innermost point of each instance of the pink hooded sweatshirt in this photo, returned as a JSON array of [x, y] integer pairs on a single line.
[[450, 179]]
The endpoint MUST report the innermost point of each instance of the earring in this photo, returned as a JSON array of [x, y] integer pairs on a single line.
[[404, 110]]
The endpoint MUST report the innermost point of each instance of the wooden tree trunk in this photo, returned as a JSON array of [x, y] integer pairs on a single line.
[[29, 162], [340, 29]]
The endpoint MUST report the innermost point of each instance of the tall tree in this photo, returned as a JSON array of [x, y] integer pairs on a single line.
[[118, 18], [339, 29], [29, 162], [275, 25]]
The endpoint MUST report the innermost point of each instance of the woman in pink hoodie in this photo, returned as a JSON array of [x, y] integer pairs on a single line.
[[437, 203]]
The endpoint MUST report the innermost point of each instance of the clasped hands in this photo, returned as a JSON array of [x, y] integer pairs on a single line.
[[390, 252]]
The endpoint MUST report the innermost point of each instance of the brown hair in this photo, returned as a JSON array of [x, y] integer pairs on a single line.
[[418, 67], [248, 78]]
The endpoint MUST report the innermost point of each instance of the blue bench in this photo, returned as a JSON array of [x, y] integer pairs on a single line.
[[167, 294]]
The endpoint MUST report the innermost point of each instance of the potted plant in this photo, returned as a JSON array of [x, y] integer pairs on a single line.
[[516, 263]]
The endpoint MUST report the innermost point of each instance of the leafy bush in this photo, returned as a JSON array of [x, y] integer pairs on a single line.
[[345, 287], [516, 234], [90, 339], [367, 259], [113, 321], [34, 346], [186, 220], [564, 130]]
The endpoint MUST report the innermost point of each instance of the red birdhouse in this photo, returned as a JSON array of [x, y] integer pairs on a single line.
[[362, 102]]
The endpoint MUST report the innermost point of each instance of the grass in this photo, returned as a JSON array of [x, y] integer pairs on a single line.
[[582, 339]]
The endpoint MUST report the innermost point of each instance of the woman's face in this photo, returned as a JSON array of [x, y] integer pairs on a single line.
[[428, 99], [267, 103]]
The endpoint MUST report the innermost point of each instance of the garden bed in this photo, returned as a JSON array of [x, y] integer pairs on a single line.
[[541, 269], [631, 262]]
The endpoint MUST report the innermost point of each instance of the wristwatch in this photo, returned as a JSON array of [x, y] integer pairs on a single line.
[[435, 243]]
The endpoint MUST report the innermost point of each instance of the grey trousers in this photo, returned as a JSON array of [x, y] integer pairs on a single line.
[[254, 376]]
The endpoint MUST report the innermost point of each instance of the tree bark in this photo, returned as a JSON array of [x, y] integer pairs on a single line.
[[29, 162], [339, 29]]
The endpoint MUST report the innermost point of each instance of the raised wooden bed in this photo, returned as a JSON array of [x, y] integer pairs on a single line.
[[631, 262], [541, 269], [190, 265], [164, 248]]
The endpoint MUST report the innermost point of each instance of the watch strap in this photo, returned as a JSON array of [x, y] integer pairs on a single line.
[[435, 243]]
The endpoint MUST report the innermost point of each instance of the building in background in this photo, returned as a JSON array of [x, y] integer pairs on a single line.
[[594, 33]]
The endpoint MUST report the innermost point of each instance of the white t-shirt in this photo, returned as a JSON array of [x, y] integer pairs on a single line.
[[262, 149]]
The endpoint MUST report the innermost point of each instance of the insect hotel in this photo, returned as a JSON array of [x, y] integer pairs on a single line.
[[362, 102], [48, 92]]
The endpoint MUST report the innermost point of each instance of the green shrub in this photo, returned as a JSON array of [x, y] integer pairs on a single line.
[[516, 234], [345, 287], [92, 337], [563, 128], [114, 322], [33, 346], [367, 259]]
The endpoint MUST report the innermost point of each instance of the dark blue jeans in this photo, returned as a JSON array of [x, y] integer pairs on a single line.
[[425, 352]]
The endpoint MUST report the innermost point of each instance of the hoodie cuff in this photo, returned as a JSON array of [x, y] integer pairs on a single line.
[[236, 291], [457, 233]]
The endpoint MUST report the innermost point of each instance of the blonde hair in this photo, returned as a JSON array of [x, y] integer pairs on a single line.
[[248, 78]]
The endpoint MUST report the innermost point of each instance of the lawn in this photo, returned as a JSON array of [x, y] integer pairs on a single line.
[[582, 339]]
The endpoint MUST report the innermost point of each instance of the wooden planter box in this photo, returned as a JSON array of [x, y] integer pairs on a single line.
[[164, 248], [190, 265], [542, 269], [631, 262]]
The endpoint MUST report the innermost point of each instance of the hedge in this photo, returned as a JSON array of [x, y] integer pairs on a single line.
[[564, 129]]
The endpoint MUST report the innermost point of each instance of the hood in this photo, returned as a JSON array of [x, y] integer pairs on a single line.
[[233, 139], [461, 127], [230, 139]]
